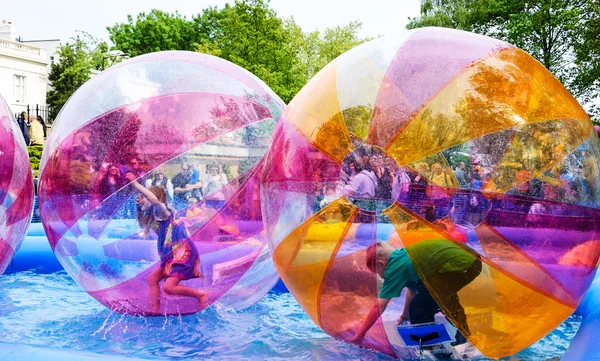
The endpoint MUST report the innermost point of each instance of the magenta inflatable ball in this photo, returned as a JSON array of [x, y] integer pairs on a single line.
[[16, 186]]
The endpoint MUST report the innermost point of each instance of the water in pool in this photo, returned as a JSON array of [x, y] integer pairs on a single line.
[[50, 310]]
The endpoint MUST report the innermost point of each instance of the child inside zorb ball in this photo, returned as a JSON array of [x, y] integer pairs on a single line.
[[179, 259], [163, 149]]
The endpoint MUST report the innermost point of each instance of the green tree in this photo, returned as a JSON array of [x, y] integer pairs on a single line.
[[153, 31], [469, 15], [77, 60], [67, 75], [586, 83], [249, 34], [322, 47], [98, 51]]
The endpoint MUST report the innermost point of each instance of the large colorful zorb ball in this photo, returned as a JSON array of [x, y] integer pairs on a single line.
[[445, 136], [16, 186], [194, 125]]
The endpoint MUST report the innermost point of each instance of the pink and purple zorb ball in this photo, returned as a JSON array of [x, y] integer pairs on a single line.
[[194, 125], [16, 186]]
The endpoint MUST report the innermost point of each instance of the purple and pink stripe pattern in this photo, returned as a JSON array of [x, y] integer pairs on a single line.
[[16, 186], [160, 113]]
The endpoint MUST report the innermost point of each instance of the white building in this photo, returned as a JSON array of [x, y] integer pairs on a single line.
[[51, 46], [23, 71]]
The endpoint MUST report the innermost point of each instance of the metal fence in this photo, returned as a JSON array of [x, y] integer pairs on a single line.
[[44, 111]]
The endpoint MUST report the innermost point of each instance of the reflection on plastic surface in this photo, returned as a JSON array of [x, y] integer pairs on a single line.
[[493, 170], [193, 129], [16, 186]]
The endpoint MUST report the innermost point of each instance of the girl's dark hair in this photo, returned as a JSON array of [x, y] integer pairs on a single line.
[[43, 124], [146, 219], [104, 186]]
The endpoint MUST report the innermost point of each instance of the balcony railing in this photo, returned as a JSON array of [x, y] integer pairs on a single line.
[[13, 45]]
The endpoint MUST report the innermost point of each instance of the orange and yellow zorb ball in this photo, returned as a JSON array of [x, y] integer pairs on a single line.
[[442, 135]]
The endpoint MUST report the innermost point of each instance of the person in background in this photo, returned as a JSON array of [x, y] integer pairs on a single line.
[[37, 136], [439, 176], [111, 180], [133, 166], [418, 188], [41, 120], [476, 182], [348, 173], [161, 180], [384, 179], [401, 184], [363, 185], [24, 124], [183, 190], [214, 182], [461, 176], [195, 177]]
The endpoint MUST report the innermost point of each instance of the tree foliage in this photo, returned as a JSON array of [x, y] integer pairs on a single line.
[[558, 33], [153, 31], [77, 60], [248, 33], [323, 47], [67, 75], [586, 83]]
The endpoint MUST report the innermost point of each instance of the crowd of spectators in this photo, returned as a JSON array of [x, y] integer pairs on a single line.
[[184, 190]]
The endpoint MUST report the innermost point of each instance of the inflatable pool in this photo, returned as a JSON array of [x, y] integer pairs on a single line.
[[585, 345]]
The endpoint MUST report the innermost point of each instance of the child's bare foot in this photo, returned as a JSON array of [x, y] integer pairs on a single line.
[[202, 297], [155, 308]]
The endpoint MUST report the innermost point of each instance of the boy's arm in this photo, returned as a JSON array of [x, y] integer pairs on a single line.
[[371, 318], [410, 294]]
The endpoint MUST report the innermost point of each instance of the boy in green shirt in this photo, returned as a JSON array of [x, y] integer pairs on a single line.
[[451, 266]]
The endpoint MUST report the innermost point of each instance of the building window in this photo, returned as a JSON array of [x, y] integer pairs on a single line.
[[19, 89]]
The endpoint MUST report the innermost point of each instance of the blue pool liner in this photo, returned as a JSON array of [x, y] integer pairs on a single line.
[[585, 346], [35, 253], [21, 352]]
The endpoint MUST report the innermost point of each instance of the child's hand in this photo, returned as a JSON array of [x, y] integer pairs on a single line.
[[130, 177], [404, 319]]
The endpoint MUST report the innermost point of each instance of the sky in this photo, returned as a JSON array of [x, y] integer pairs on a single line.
[[60, 19]]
